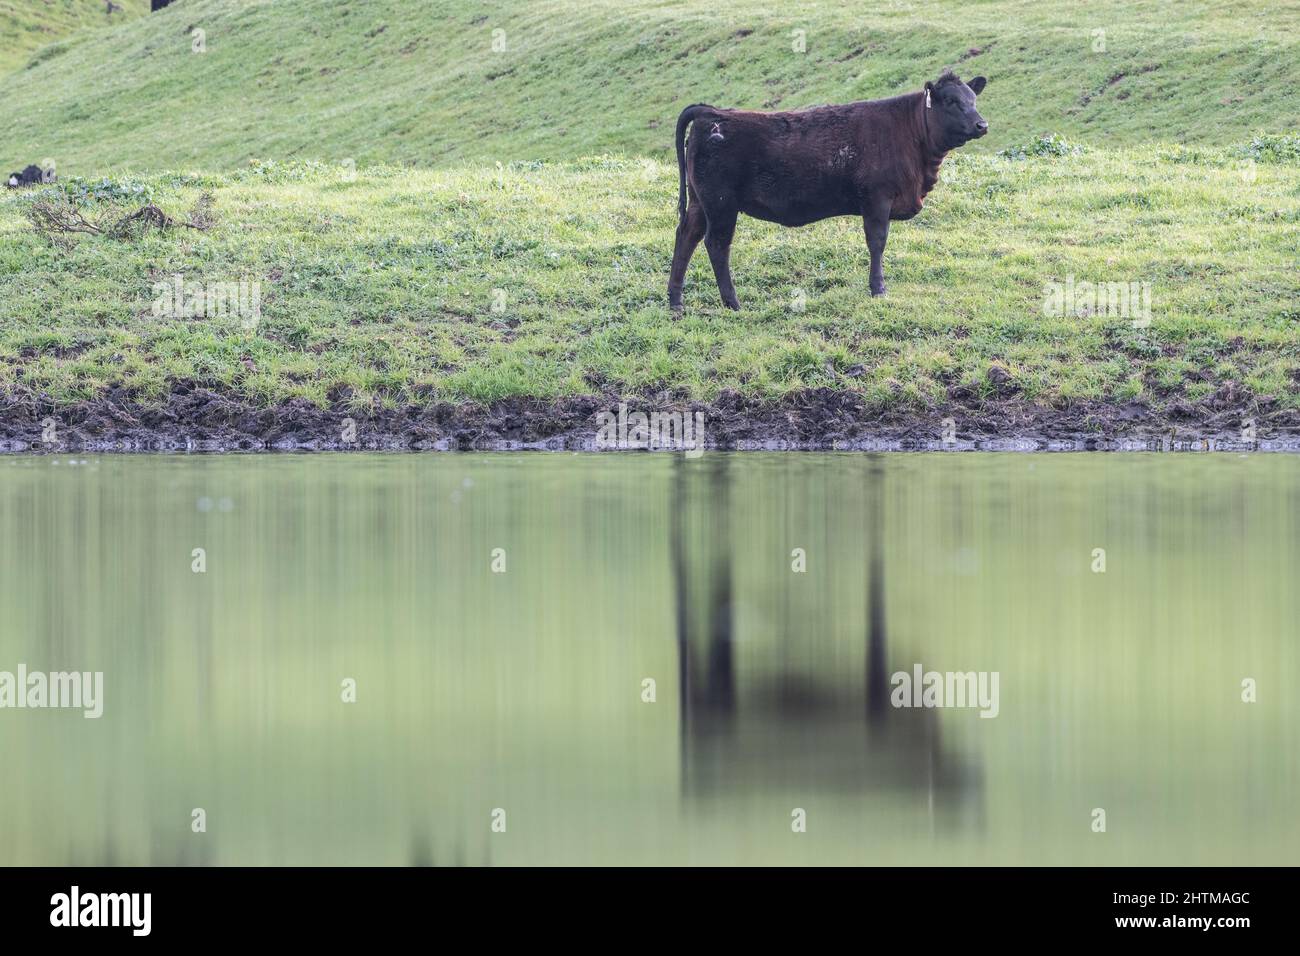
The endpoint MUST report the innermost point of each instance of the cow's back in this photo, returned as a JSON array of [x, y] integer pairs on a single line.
[[796, 167]]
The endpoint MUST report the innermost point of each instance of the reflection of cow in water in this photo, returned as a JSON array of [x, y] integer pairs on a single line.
[[815, 734]]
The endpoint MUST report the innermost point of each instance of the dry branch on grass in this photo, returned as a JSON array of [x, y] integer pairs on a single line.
[[58, 219]]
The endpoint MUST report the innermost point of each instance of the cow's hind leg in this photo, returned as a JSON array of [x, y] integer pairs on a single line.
[[689, 233], [717, 240]]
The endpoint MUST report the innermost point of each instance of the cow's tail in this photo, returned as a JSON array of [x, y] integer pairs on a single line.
[[683, 121]]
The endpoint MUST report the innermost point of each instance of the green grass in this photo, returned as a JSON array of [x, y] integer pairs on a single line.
[[27, 26], [418, 82], [476, 175], [548, 280]]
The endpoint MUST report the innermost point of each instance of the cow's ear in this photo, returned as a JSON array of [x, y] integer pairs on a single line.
[[977, 85]]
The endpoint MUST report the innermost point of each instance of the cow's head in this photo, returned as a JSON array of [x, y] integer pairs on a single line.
[[952, 109], [13, 180]]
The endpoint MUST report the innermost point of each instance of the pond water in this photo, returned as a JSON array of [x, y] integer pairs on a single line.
[[572, 658]]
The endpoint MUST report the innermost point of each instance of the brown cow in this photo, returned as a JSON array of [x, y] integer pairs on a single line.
[[876, 159]]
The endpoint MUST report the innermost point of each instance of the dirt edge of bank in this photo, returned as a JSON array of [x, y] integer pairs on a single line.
[[198, 419]]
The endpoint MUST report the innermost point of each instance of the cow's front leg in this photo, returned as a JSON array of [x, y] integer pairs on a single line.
[[875, 222]]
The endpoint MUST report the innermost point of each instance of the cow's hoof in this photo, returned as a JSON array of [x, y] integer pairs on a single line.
[[878, 292], [734, 305]]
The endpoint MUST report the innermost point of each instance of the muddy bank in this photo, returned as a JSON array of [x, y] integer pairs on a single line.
[[193, 418]]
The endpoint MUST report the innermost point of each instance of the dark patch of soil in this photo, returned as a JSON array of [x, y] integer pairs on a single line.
[[992, 414], [1114, 78]]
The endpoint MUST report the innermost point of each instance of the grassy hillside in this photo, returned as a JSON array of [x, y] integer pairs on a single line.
[[548, 280], [28, 25], [428, 217], [418, 81]]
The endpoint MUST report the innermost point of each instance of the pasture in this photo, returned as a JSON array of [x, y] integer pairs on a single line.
[[427, 217]]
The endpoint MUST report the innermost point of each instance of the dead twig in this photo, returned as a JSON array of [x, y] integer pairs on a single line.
[[58, 219], [54, 217]]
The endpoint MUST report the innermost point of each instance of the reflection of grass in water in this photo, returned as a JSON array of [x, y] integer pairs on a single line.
[[522, 690]]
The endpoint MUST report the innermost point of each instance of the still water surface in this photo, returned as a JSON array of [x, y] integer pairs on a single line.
[[515, 679]]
